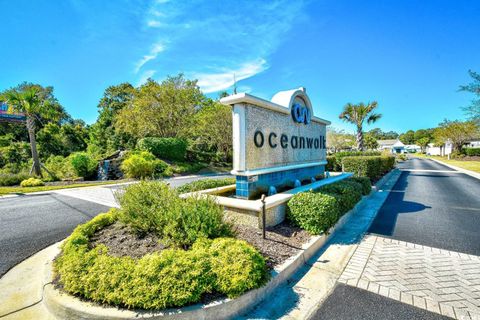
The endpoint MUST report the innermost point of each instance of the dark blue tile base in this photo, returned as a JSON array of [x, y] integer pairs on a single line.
[[249, 187]]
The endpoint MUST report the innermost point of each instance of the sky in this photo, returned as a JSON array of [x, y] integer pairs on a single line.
[[408, 55]]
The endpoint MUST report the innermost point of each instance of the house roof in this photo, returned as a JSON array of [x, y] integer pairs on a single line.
[[387, 142]]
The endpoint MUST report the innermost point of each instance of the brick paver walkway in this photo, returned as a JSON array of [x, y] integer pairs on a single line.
[[440, 281]]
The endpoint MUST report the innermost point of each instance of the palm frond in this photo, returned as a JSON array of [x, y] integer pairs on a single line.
[[374, 117]]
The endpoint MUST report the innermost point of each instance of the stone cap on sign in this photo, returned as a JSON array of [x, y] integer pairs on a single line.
[[281, 102]]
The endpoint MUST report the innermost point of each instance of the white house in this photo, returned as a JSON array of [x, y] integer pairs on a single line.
[[474, 143], [393, 145], [412, 148]]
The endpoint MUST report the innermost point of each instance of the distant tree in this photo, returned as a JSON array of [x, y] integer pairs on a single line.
[[423, 143], [223, 94], [211, 129], [161, 109], [457, 132], [390, 135], [378, 134], [370, 142], [31, 100], [338, 140], [473, 110], [408, 137], [102, 133], [424, 133], [62, 140], [358, 114]]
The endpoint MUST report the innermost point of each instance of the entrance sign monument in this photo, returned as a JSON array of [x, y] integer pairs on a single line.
[[277, 144], [279, 150], [8, 115]]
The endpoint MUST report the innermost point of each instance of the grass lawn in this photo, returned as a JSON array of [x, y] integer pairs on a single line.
[[469, 165], [16, 189]]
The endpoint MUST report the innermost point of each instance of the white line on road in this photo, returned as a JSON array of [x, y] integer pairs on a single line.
[[425, 170]]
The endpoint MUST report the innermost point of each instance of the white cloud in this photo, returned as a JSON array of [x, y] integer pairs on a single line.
[[212, 82], [156, 49], [145, 75], [210, 42], [154, 23]]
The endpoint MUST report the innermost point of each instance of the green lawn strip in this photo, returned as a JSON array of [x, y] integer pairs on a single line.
[[464, 164], [21, 190]]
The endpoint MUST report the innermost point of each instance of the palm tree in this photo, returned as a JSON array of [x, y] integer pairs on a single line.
[[29, 103], [357, 114]]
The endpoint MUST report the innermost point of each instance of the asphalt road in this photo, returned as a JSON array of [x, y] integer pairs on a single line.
[[430, 205], [349, 303], [436, 206], [31, 223]]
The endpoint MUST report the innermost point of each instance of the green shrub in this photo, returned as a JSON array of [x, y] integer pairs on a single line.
[[154, 207], [348, 194], [12, 179], [171, 278], [372, 167], [387, 164], [32, 182], [237, 266], [457, 155], [314, 212], [363, 166], [365, 183], [143, 165], [83, 164], [334, 161], [205, 184], [165, 148], [187, 167], [472, 152], [16, 153], [60, 168], [332, 164]]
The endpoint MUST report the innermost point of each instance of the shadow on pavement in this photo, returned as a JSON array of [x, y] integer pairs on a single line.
[[385, 221]]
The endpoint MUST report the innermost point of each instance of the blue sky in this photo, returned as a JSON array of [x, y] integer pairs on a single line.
[[409, 55]]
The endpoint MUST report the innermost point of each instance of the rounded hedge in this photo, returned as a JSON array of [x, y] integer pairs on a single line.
[[143, 165], [314, 212], [317, 211], [171, 278], [32, 182], [365, 183], [348, 193], [166, 148]]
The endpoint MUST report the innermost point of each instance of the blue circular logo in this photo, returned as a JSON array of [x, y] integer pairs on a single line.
[[301, 114]]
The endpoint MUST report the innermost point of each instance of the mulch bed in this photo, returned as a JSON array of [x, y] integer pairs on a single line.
[[282, 241], [121, 241]]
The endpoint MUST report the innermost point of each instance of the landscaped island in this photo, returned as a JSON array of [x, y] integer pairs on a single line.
[[160, 250]]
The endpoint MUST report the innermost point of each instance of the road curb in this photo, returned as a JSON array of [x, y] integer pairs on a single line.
[[467, 172]]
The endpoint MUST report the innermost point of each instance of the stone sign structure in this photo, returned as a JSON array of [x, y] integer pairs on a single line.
[[277, 144]]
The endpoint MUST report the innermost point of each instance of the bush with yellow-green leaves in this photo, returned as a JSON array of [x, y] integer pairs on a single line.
[[204, 262], [31, 182]]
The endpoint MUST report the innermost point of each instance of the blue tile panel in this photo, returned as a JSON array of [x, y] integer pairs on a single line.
[[248, 187]]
